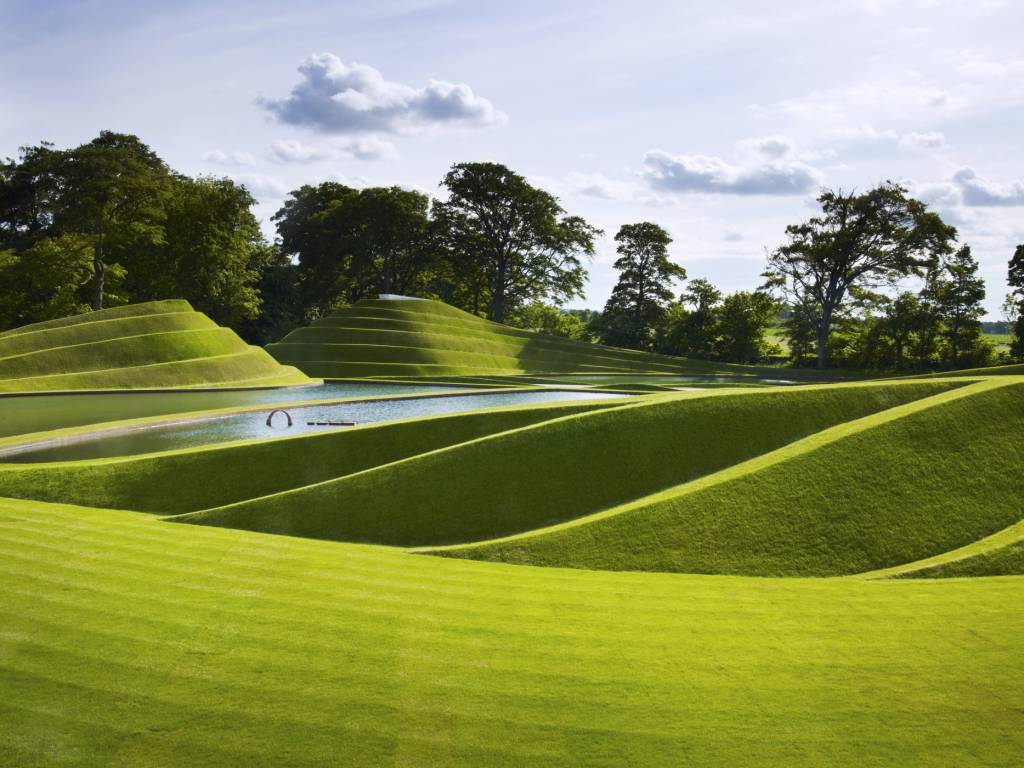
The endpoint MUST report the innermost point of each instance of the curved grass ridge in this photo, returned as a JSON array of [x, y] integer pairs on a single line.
[[894, 487], [156, 345], [430, 338], [127, 642], [558, 469], [225, 473]]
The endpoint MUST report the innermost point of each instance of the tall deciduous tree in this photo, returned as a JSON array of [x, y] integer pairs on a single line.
[[691, 324], [111, 190], [517, 237], [956, 291], [636, 308], [212, 251], [306, 236], [1016, 281], [867, 241], [743, 320]]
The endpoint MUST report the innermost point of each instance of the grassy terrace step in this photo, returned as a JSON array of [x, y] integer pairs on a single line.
[[222, 474], [125, 641], [129, 310], [1001, 554], [559, 469], [156, 345], [896, 487], [380, 337]]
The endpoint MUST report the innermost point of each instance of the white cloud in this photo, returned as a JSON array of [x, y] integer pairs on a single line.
[[262, 186], [368, 148], [772, 147], [856, 108], [977, 191], [335, 97], [221, 157], [699, 173], [599, 185], [923, 140]]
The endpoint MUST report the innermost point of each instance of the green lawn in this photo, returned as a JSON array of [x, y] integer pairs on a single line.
[[126, 641], [820, 575]]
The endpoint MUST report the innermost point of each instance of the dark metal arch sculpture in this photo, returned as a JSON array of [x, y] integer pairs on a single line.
[[276, 411]]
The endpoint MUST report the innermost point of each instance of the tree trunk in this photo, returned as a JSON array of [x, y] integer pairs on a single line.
[[98, 274], [823, 330], [498, 300]]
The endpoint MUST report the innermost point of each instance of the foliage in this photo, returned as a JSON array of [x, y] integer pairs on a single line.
[[956, 291], [743, 320], [1015, 278], [635, 311], [551, 321], [859, 241], [510, 242]]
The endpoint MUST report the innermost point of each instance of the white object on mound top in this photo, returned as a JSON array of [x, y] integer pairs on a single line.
[[396, 297]]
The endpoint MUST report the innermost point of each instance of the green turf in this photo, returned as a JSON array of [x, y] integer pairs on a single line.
[[429, 338], [144, 346], [129, 642], [895, 487], [223, 474], [556, 470]]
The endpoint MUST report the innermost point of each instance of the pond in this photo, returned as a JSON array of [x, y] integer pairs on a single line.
[[38, 413], [253, 424]]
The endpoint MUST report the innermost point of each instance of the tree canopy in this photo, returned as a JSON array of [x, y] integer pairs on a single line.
[[512, 241], [863, 241], [637, 305]]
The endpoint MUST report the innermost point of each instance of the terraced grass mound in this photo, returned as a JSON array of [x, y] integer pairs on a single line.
[[225, 474], [556, 470], [893, 488], [125, 641], [157, 345], [429, 338]]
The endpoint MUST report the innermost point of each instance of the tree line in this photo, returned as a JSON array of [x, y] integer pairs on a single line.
[[109, 222]]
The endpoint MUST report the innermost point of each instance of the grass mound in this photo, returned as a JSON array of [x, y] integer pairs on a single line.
[[558, 469], [430, 338], [126, 641], [893, 488], [225, 474], [162, 344]]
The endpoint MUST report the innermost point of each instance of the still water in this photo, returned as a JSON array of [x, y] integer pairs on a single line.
[[253, 425]]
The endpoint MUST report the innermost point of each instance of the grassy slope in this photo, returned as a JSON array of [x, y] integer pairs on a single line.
[[153, 345], [429, 338], [222, 474], [868, 495], [128, 642], [1001, 554], [556, 470]]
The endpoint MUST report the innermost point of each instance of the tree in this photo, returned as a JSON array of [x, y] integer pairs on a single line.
[[44, 281], [691, 324], [306, 236], [956, 291], [385, 232], [868, 241], [212, 251], [515, 236], [636, 308], [550, 320], [1016, 281], [743, 320], [112, 191], [902, 319]]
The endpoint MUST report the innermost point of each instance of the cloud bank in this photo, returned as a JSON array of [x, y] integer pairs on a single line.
[[339, 98], [699, 173]]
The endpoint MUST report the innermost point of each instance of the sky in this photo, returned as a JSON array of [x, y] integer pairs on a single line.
[[720, 121]]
